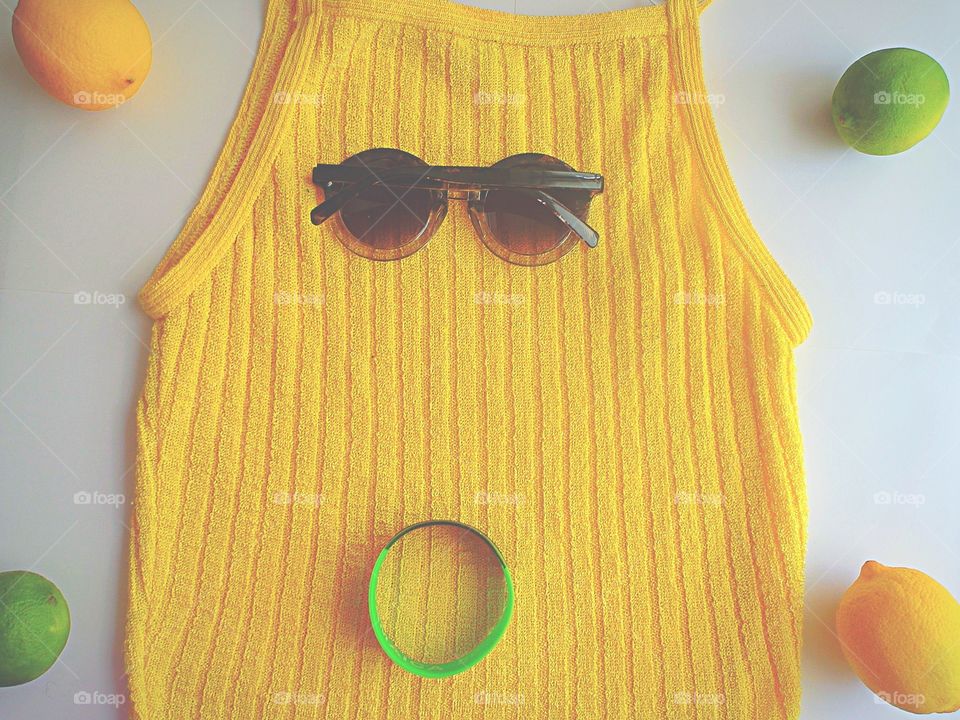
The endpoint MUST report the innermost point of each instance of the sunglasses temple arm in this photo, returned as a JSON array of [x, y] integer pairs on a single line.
[[586, 233], [333, 204]]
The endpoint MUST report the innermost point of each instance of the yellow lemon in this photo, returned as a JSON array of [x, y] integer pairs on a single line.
[[900, 631], [92, 54]]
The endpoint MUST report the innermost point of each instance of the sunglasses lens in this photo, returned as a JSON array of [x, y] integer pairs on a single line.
[[379, 220], [521, 230], [389, 222]]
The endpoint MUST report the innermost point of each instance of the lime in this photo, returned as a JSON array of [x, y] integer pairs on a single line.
[[34, 625], [889, 100]]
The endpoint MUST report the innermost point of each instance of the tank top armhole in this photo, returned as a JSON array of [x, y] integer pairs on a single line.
[[231, 189], [787, 303]]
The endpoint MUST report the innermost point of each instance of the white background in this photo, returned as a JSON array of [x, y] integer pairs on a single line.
[[89, 202]]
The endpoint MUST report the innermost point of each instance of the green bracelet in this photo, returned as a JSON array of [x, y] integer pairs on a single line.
[[441, 670]]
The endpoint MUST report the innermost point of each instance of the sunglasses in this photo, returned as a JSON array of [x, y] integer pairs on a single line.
[[528, 209]]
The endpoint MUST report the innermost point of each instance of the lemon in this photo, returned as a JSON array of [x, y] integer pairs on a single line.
[[889, 100], [900, 631], [92, 54], [34, 625]]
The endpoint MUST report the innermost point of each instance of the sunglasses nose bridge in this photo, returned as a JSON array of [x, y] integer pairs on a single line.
[[463, 194]]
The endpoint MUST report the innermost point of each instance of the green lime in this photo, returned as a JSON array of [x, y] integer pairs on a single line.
[[34, 625], [889, 100]]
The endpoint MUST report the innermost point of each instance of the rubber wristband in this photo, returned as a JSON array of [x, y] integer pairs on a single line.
[[464, 662]]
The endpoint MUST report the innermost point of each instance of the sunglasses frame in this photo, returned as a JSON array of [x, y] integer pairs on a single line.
[[530, 174]]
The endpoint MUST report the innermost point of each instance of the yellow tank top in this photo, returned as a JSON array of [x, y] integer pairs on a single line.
[[302, 404]]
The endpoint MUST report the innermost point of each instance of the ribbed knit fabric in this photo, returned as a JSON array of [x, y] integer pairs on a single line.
[[622, 423]]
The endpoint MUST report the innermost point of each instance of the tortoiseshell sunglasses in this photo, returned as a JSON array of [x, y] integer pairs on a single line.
[[528, 209]]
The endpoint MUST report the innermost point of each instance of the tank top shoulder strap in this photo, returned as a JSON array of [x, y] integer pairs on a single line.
[[688, 8], [683, 16], [286, 46]]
